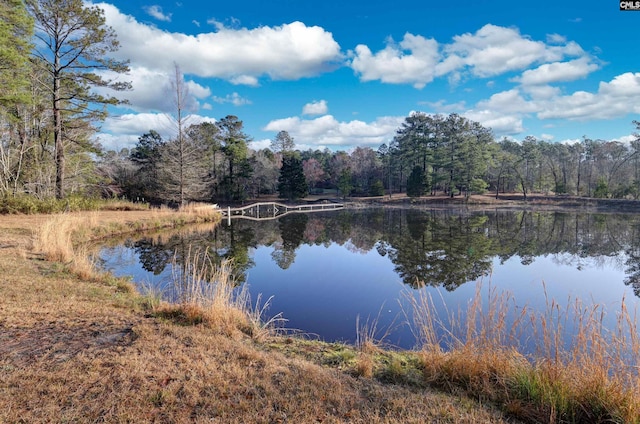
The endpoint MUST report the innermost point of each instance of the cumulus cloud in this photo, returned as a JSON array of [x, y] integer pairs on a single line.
[[328, 131], [315, 108], [287, 52], [155, 11], [501, 123], [122, 131], [152, 90], [556, 39], [244, 80], [510, 101], [234, 98], [411, 61], [504, 112], [557, 72], [494, 50], [490, 51], [614, 99], [261, 144]]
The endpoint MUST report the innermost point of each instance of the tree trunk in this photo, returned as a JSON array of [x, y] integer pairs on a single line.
[[57, 131]]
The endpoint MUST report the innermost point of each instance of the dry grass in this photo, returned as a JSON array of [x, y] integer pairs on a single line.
[[78, 350], [581, 371], [207, 293]]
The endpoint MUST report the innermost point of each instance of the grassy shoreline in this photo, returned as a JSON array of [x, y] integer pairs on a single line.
[[76, 347]]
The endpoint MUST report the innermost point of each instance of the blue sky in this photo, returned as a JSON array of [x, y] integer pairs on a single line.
[[345, 74]]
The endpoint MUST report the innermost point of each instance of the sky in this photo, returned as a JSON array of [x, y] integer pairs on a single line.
[[342, 74]]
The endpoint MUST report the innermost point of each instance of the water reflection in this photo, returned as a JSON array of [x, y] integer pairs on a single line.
[[326, 269], [426, 248]]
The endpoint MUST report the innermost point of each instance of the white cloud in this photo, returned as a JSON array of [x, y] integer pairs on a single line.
[[198, 91], [245, 80], [557, 72], [501, 123], [287, 52], [411, 61], [570, 141], [614, 99], [541, 92], [504, 112], [627, 139], [508, 102], [152, 91], [490, 51], [494, 50], [556, 39], [119, 132], [234, 98], [547, 137], [261, 144], [328, 131], [155, 11], [441, 106], [316, 108]]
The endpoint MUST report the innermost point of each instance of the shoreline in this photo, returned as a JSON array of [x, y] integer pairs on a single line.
[[67, 340], [86, 349]]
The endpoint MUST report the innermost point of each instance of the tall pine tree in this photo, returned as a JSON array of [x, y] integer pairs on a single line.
[[292, 183], [74, 45]]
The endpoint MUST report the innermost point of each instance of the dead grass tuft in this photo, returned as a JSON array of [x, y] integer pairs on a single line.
[[207, 293], [581, 372]]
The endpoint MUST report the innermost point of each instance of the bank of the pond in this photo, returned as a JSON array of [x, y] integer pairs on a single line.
[[513, 201], [79, 346], [88, 349]]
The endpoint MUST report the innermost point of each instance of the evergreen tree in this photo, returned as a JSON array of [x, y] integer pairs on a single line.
[[291, 183], [344, 183], [415, 183], [73, 46], [283, 143], [16, 28], [235, 149], [147, 156]]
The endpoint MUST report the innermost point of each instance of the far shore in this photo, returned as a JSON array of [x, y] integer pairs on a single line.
[[511, 201]]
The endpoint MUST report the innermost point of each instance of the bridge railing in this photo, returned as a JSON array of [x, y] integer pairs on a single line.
[[274, 210]]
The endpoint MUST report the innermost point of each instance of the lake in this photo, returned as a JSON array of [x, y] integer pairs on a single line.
[[327, 271]]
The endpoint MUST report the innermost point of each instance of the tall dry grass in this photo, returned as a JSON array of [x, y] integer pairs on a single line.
[[561, 365], [62, 237], [57, 239], [207, 293]]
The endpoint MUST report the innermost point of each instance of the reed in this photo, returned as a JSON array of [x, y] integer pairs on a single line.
[[207, 293], [579, 372]]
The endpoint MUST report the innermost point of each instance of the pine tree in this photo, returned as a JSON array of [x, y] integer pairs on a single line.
[[292, 183], [73, 45], [415, 183], [16, 29]]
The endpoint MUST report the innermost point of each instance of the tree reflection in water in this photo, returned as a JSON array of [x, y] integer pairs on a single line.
[[427, 247]]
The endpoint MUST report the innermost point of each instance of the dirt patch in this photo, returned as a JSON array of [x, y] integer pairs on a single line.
[[58, 342]]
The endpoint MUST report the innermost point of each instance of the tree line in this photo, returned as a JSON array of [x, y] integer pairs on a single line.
[[54, 56]]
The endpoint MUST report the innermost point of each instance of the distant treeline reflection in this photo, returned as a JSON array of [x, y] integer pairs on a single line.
[[437, 248]]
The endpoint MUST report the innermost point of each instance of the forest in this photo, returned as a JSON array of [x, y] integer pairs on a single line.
[[54, 62]]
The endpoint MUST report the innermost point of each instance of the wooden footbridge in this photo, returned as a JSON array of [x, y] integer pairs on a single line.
[[263, 211]]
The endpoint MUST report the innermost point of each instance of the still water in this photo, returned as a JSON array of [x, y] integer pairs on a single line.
[[327, 271]]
